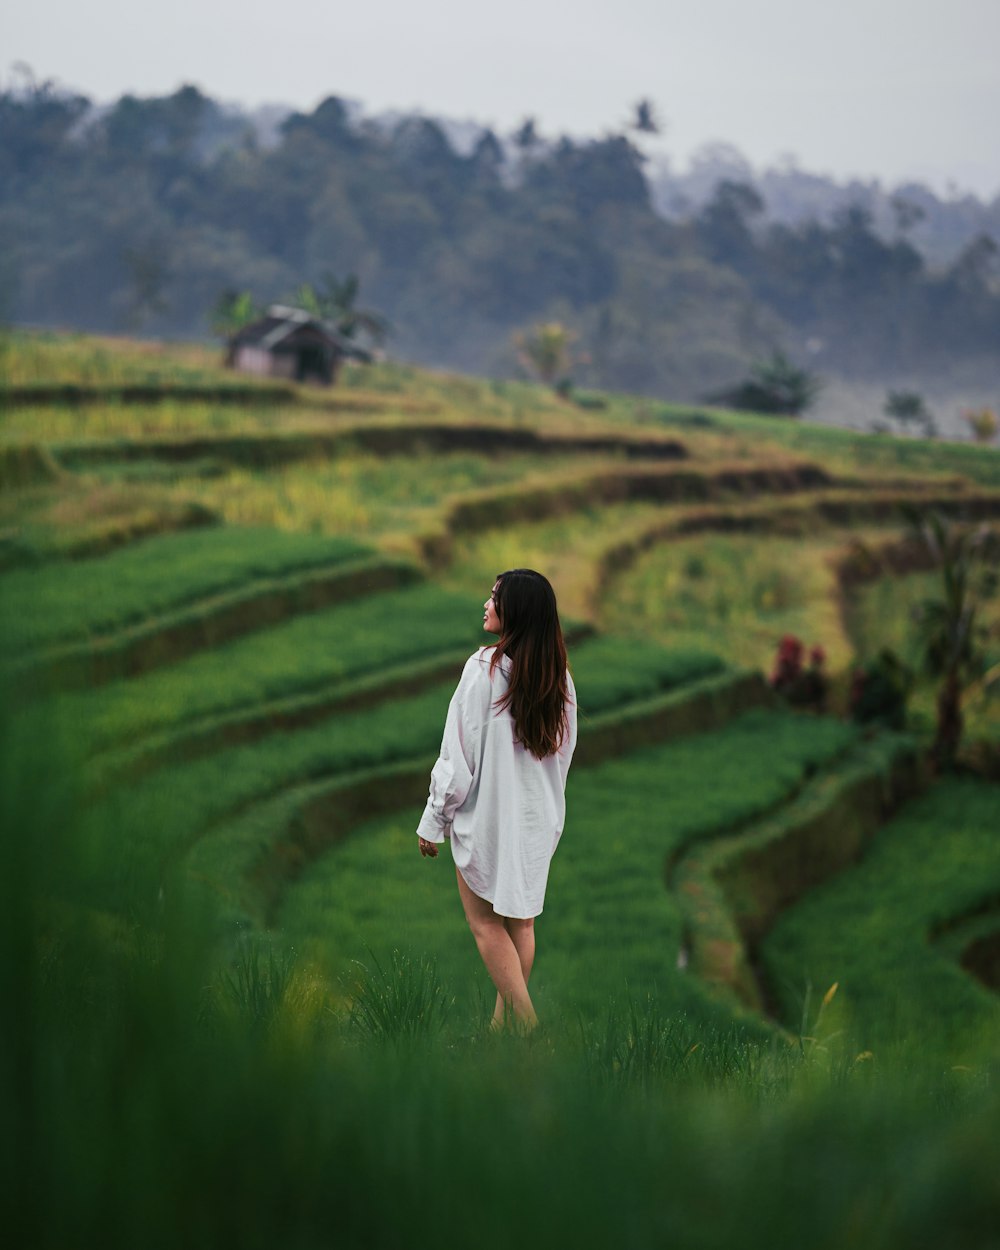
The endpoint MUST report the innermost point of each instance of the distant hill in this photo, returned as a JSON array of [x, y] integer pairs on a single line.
[[941, 227], [143, 213]]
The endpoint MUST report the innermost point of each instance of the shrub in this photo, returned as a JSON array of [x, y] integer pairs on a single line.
[[909, 408], [984, 424], [880, 689], [802, 685], [545, 350], [774, 386]]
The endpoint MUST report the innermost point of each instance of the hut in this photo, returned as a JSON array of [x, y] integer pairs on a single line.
[[294, 344]]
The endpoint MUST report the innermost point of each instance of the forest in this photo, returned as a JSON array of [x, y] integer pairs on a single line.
[[139, 216]]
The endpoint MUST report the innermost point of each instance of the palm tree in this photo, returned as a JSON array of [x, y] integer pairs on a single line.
[[335, 301], [948, 631], [545, 350], [233, 310]]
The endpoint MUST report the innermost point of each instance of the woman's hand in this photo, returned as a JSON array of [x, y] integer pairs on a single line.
[[428, 849]]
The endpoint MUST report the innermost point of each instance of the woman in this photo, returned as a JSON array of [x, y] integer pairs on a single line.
[[498, 788]]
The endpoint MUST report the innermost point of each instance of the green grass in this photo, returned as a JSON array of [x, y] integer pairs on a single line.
[[608, 672], [83, 520], [518, 403], [401, 1001], [870, 929], [28, 357], [609, 920], [353, 494], [736, 595], [201, 792], [75, 423], [298, 657], [185, 799], [843, 449], [43, 357], [730, 597], [566, 547], [73, 601], [326, 650], [232, 1106]]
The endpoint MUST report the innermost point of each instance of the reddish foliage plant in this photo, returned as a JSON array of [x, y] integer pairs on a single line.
[[802, 683]]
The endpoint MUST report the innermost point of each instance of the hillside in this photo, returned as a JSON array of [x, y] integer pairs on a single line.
[[252, 613], [243, 1009]]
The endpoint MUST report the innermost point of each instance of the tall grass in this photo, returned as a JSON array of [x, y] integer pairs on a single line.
[[257, 982], [401, 1001], [639, 1042], [135, 1115], [165, 1081]]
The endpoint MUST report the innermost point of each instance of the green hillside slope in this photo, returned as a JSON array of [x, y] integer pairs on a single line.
[[248, 618]]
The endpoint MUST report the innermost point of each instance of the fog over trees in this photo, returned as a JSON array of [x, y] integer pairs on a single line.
[[138, 216]]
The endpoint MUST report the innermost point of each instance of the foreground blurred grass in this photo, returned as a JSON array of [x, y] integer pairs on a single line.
[[153, 1097]]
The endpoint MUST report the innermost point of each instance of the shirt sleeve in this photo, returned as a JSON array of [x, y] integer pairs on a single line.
[[453, 774]]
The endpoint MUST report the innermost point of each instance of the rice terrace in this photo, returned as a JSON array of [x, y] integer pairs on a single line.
[[240, 1009]]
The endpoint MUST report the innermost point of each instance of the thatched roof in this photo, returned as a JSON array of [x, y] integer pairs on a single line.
[[284, 328]]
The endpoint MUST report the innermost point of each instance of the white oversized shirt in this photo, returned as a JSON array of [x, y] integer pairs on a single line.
[[502, 807]]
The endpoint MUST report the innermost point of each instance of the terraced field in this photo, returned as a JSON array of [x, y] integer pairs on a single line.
[[894, 932], [249, 618]]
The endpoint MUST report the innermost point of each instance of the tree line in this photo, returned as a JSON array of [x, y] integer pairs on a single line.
[[140, 216]]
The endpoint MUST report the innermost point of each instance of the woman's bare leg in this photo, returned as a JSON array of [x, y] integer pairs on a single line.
[[501, 957], [522, 934]]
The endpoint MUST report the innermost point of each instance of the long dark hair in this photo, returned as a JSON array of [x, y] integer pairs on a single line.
[[531, 637]]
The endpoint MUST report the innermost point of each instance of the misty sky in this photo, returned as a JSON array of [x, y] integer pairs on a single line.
[[876, 88]]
